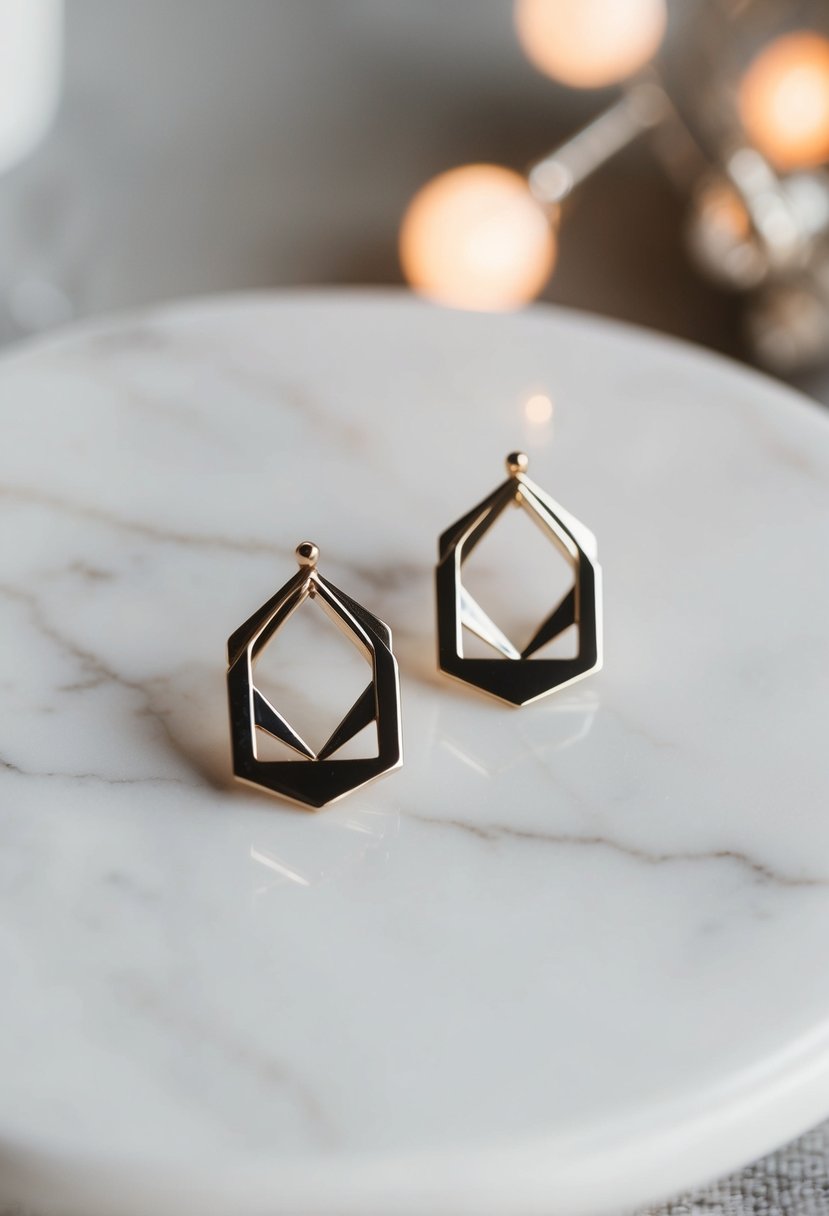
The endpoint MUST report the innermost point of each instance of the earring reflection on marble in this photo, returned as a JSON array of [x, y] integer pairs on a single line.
[[517, 677], [318, 778]]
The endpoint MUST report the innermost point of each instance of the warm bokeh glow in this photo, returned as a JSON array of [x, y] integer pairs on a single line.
[[538, 409], [590, 43], [721, 238], [476, 238], [784, 101]]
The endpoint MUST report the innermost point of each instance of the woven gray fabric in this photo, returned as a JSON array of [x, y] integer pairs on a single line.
[[793, 1181]]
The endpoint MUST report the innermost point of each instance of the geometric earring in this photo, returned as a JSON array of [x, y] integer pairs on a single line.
[[517, 676], [314, 778]]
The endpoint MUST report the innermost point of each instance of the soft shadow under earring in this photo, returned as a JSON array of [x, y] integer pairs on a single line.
[[517, 677], [316, 779]]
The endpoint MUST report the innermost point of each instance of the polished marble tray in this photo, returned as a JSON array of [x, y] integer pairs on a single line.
[[571, 958]]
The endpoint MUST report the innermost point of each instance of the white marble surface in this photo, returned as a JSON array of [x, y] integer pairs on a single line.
[[571, 958]]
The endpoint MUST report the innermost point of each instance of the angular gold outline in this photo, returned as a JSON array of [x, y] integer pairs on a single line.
[[517, 678], [318, 779]]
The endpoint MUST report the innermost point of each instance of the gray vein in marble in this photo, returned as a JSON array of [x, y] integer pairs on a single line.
[[89, 574], [271, 1071], [29, 496], [494, 832], [99, 673], [781, 450], [636, 728], [8, 767], [391, 577], [255, 380], [133, 337], [247, 373]]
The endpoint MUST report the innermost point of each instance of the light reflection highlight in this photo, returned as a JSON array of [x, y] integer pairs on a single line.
[[476, 238], [784, 100], [302, 851], [551, 729], [538, 409], [589, 44]]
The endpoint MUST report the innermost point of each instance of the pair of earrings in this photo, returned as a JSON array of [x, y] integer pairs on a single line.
[[516, 677]]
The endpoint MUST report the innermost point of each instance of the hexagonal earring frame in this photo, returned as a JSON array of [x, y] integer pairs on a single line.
[[318, 778], [516, 677]]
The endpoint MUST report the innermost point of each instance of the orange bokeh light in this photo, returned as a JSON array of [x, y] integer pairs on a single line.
[[784, 101], [475, 237], [538, 409], [590, 43]]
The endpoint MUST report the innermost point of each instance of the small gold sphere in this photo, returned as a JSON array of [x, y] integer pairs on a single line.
[[307, 553], [517, 462]]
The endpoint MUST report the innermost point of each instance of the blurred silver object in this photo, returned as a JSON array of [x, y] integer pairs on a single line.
[[31, 39], [640, 108], [758, 220]]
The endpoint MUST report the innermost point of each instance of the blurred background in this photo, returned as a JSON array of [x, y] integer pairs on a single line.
[[156, 150]]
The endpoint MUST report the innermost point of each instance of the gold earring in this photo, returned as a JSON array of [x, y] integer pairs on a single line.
[[517, 677], [318, 778]]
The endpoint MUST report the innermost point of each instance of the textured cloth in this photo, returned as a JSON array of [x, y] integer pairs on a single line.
[[794, 1181]]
